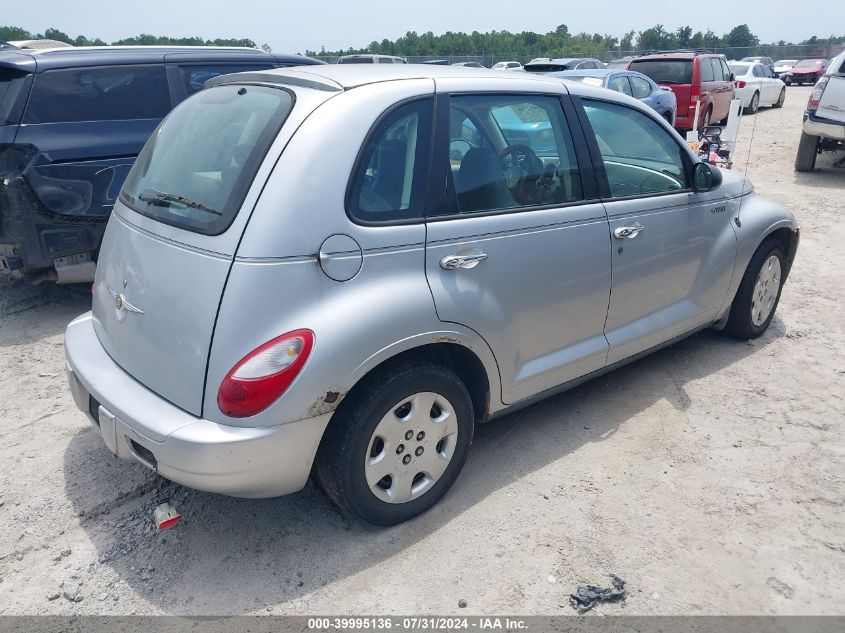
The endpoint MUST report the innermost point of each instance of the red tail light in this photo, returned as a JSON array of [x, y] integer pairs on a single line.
[[695, 93], [740, 83], [262, 376], [816, 95]]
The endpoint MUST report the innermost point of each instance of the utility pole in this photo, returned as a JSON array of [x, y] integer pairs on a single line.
[[829, 40]]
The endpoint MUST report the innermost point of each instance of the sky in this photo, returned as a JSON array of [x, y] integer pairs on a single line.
[[290, 27]]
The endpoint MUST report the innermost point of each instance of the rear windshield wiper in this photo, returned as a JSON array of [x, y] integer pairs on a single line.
[[161, 199]]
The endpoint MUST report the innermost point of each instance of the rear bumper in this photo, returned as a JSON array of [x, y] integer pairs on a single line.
[[137, 424], [823, 128]]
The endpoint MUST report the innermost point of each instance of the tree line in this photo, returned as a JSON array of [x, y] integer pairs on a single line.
[[14, 33], [739, 41], [560, 43]]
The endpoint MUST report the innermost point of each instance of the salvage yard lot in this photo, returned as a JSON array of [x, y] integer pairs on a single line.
[[709, 476]]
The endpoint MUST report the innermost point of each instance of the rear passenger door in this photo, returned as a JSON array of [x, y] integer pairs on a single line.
[[673, 249], [518, 249], [88, 125]]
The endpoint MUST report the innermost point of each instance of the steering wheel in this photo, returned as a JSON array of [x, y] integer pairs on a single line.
[[522, 169]]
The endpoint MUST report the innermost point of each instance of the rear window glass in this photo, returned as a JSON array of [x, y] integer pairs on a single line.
[[665, 71], [739, 69], [545, 68], [196, 168], [355, 60], [99, 94]]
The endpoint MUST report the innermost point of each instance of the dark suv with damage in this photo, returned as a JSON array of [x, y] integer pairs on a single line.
[[72, 122]]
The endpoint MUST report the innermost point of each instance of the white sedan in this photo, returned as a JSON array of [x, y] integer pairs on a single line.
[[507, 66], [756, 86]]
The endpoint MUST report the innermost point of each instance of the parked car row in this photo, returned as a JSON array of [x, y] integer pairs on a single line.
[[343, 270]]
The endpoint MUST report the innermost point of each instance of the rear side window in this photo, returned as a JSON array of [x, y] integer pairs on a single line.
[[389, 182], [640, 157], [194, 77], [665, 71], [99, 94], [707, 70], [196, 168], [8, 78]]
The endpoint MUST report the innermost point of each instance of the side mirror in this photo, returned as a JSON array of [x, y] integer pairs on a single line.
[[705, 177], [733, 77]]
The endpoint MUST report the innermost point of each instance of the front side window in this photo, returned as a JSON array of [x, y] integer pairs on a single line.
[[196, 168], [509, 151], [392, 171], [726, 73], [99, 94], [641, 88], [640, 157], [194, 77]]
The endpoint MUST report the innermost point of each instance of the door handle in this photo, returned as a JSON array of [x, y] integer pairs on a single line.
[[628, 232], [453, 262]]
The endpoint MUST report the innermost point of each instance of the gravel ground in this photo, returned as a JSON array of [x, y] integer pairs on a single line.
[[709, 476]]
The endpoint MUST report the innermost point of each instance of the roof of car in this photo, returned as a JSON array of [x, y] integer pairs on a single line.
[[675, 55], [343, 76], [83, 56], [589, 72]]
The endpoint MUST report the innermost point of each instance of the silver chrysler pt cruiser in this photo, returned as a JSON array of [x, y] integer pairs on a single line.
[[343, 269]]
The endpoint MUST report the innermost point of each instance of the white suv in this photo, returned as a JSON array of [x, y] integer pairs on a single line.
[[824, 119]]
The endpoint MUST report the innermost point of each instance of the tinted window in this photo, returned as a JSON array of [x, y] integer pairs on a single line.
[[509, 151], [665, 71], [620, 83], [641, 87], [196, 168], [707, 70], [7, 77], [390, 182], [99, 94], [194, 77], [355, 60], [640, 157], [739, 69]]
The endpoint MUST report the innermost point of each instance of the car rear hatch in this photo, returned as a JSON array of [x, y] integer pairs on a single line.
[[674, 73], [174, 232], [832, 104]]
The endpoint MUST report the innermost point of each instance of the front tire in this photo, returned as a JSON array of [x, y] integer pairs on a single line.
[[398, 443], [808, 149], [781, 99], [759, 291]]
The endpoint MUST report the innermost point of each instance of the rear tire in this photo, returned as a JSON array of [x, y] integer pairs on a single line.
[[755, 103], [808, 149], [781, 99], [759, 291], [368, 435]]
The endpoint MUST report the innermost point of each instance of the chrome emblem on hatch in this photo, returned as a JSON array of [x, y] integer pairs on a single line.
[[120, 302]]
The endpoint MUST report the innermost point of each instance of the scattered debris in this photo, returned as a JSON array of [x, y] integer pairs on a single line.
[[55, 595], [72, 591], [165, 516], [462, 604], [586, 597]]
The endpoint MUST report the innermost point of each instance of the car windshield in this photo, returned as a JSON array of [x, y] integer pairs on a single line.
[[785, 62], [809, 63], [740, 69], [665, 71], [196, 168]]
